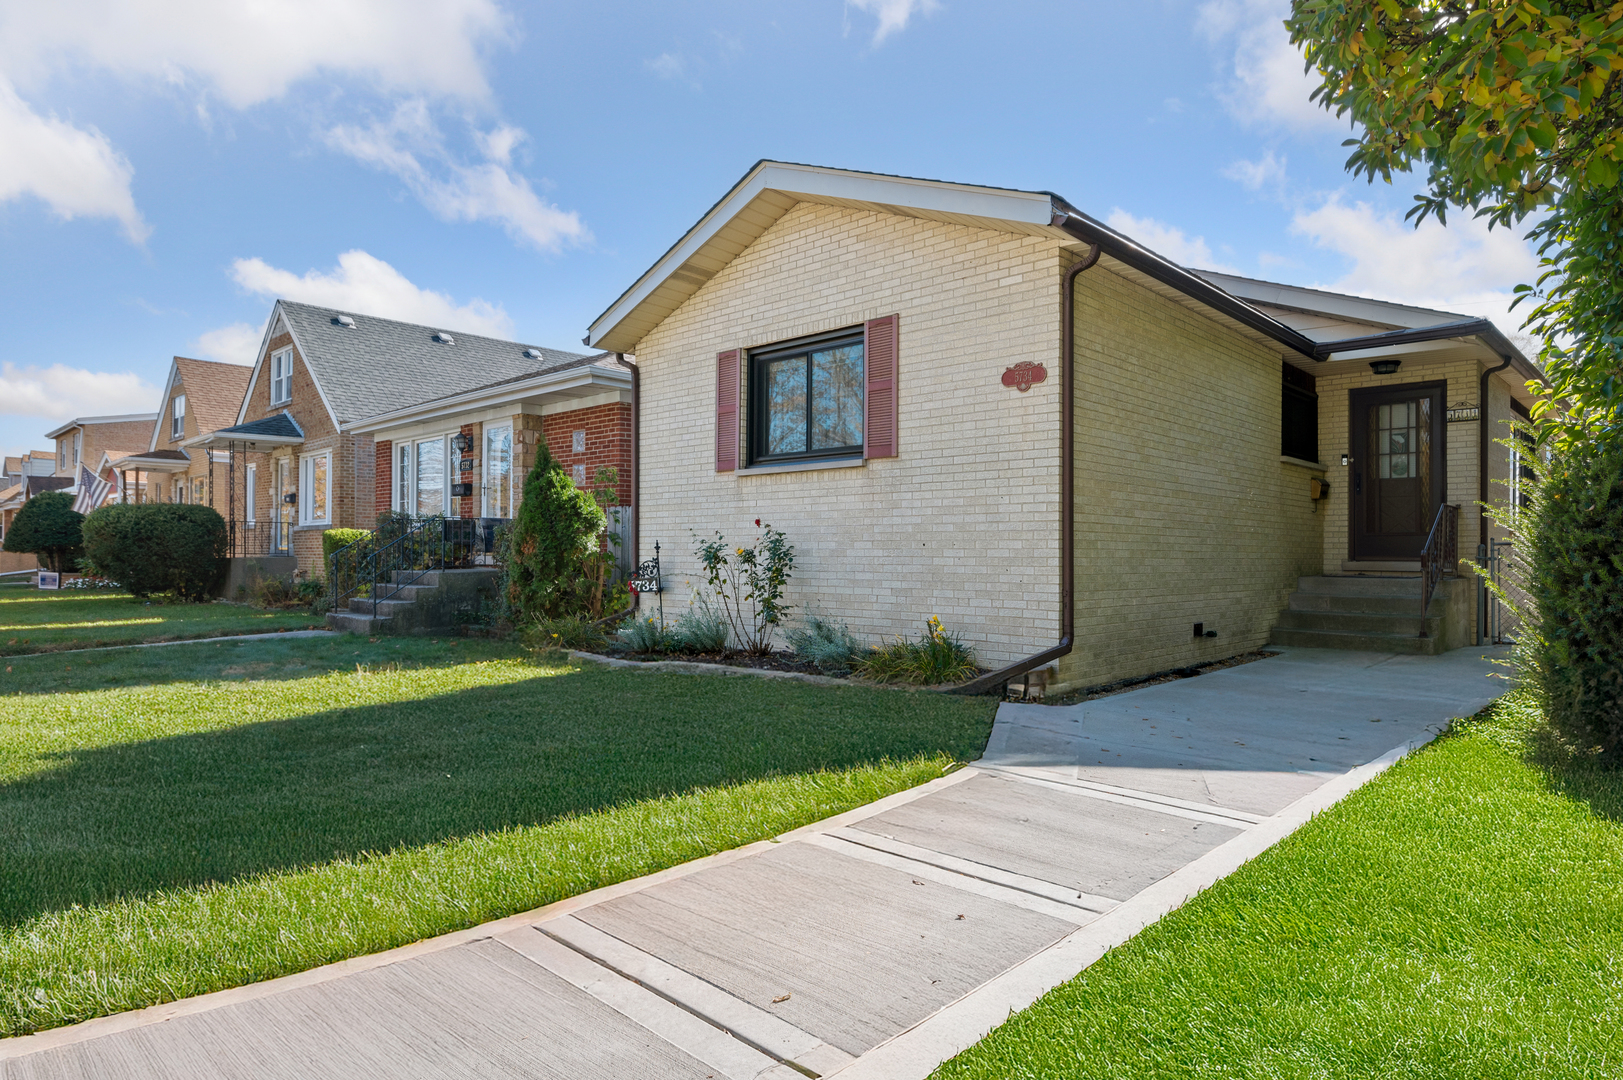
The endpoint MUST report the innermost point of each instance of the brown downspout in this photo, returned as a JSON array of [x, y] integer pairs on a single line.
[[1067, 491]]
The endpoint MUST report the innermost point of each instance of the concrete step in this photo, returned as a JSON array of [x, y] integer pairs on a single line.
[[1380, 566], [348, 622], [1358, 642], [1361, 585], [1380, 605], [1362, 622], [362, 605]]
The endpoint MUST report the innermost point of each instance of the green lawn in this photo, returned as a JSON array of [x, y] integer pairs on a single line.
[[33, 622], [179, 820], [1461, 916]]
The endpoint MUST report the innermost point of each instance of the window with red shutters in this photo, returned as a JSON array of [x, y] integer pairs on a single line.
[[727, 410], [880, 427]]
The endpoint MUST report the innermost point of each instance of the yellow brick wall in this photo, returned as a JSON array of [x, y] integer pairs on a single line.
[[1184, 511], [962, 523]]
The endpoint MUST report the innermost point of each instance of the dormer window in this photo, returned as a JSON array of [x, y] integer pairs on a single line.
[[281, 386], [177, 418]]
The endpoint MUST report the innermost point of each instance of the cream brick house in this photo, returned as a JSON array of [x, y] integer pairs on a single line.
[[888, 370]]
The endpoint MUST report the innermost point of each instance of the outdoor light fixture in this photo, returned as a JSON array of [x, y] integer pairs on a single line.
[[463, 442], [1384, 367], [1343, 461]]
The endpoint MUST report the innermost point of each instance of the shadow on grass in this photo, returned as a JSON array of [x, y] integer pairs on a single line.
[[1575, 774], [183, 811]]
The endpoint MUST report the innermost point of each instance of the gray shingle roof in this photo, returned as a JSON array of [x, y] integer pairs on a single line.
[[279, 425], [381, 365]]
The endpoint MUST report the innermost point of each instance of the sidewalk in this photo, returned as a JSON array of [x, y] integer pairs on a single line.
[[874, 944]]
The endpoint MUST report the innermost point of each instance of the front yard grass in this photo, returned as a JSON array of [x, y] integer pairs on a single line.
[[1461, 916], [180, 820], [33, 622]]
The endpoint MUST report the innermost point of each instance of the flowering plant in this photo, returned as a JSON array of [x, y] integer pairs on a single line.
[[748, 583]]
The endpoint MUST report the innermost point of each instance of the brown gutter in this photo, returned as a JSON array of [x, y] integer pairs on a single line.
[[1482, 453], [1067, 493]]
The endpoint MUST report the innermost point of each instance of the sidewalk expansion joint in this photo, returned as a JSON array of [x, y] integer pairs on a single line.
[[1147, 800]]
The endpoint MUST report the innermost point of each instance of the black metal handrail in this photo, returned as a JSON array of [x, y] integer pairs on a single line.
[[1440, 556], [424, 546]]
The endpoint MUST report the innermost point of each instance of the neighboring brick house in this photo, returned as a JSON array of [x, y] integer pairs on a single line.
[[87, 438], [303, 436], [579, 406], [878, 366], [199, 397]]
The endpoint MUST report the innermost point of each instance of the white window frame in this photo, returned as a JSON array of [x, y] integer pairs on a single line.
[[307, 472], [177, 418], [405, 484], [281, 376], [250, 495], [485, 487], [78, 446]]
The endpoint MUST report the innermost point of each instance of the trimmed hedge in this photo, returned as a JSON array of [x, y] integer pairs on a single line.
[[333, 539], [49, 527], [1571, 651], [159, 548]]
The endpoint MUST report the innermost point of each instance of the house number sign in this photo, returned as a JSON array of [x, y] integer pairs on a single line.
[[1024, 375], [646, 579], [1461, 414]]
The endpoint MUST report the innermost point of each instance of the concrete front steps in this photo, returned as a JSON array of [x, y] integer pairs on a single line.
[[429, 605], [1374, 613]]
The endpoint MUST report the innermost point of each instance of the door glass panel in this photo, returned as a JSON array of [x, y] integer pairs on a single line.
[[498, 492], [431, 477]]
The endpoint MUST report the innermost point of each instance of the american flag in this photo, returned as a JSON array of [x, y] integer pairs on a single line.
[[92, 490]]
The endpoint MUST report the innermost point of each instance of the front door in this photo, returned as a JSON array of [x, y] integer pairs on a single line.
[[1397, 469], [283, 512]]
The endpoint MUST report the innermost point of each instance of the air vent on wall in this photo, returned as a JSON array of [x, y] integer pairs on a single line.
[[344, 321], [443, 338], [534, 354]]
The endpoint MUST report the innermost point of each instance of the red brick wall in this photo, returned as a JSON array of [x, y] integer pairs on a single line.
[[383, 475], [468, 505], [608, 442]]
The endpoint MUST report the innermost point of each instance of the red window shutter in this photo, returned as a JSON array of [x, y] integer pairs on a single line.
[[880, 361], [727, 410]]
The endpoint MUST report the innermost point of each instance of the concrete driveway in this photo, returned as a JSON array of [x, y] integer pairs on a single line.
[[874, 944]]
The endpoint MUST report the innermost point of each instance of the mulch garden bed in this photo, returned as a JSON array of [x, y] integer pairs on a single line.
[[778, 661]]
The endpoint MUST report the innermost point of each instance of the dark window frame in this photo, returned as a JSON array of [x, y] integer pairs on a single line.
[[1298, 414], [759, 414]]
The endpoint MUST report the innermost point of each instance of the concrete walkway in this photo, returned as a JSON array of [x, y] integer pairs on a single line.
[[874, 944]]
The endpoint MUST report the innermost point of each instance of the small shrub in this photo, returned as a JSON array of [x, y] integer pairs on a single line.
[[570, 632], [48, 527], [159, 547], [748, 583], [936, 657], [646, 636], [333, 539], [701, 628], [273, 592], [832, 648]]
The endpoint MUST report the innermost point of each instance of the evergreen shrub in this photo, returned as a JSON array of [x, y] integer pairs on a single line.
[[153, 548], [1569, 540], [554, 533], [49, 528]]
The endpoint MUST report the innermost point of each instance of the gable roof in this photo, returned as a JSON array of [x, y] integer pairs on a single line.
[[86, 421], [771, 188], [379, 365], [214, 393]]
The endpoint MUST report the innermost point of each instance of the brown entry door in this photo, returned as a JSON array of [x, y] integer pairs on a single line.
[[1397, 469]]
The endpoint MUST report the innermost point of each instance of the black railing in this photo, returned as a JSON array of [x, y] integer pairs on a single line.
[[256, 539], [1440, 556], [378, 566]]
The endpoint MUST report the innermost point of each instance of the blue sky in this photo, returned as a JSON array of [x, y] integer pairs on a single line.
[[169, 167]]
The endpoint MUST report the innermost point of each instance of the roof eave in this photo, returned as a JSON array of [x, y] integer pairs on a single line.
[[487, 397]]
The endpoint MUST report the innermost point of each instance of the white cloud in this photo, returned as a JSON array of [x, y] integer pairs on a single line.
[[1465, 267], [893, 15], [75, 171], [59, 393], [252, 52], [1267, 84], [234, 344], [410, 146], [1266, 171], [1167, 241], [367, 285], [668, 66]]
